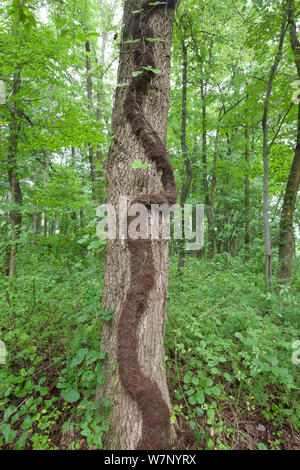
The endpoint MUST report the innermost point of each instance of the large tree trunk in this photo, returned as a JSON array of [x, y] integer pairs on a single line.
[[288, 207], [128, 422]]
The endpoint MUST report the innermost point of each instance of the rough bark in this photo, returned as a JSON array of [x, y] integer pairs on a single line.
[[126, 417]]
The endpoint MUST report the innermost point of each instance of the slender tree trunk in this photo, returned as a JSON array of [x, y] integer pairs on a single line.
[[46, 181], [81, 218], [208, 207], [89, 84], [203, 88], [211, 209], [16, 193], [34, 215], [265, 128], [127, 417], [106, 12], [47, 154], [187, 161], [53, 227], [288, 207], [247, 194], [204, 157], [38, 223], [99, 155]]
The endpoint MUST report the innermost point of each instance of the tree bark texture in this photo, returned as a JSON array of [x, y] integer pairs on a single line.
[[127, 429]]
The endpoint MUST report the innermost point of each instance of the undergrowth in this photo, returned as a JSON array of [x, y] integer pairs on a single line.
[[51, 327], [229, 354], [229, 349]]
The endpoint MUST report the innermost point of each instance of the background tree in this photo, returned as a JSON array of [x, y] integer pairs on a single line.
[[288, 208]]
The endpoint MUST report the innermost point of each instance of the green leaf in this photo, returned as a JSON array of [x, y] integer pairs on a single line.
[[80, 355], [131, 41], [9, 434], [261, 446], [140, 164], [20, 443], [187, 378], [154, 39], [9, 411], [70, 395], [137, 73], [192, 400], [195, 380], [199, 397]]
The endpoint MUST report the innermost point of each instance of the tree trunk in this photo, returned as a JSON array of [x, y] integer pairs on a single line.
[[247, 194], [47, 162], [131, 418], [204, 157], [16, 193], [288, 207], [34, 215], [204, 87], [265, 128], [99, 155], [89, 86], [211, 210], [188, 166]]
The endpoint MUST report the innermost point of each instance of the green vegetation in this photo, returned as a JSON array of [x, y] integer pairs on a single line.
[[232, 356], [229, 355]]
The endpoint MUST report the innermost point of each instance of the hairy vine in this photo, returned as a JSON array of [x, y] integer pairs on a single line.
[[147, 394]]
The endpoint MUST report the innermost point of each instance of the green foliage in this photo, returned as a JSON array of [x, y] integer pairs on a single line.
[[226, 348], [53, 361], [228, 342]]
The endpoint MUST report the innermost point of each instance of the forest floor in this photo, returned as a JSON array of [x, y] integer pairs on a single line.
[[231, 376], [252, 431]]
